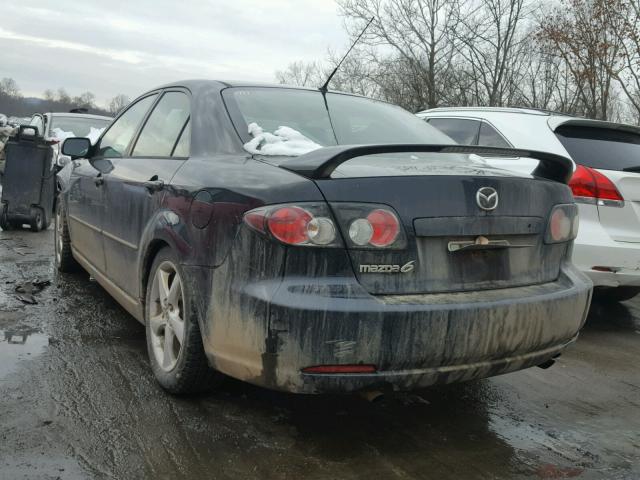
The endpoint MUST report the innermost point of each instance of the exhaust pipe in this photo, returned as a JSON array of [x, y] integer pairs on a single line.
[[547, 364], [371, 396]]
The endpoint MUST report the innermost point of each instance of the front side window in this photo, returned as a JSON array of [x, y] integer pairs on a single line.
[[115, 141], [462, 130], [160, 133], [307, 118]]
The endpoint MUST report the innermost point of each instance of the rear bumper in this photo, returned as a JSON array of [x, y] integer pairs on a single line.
[[595, 248], [413, 340]]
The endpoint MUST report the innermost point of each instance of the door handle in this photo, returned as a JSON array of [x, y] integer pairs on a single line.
[[98, 180], [154, 184]]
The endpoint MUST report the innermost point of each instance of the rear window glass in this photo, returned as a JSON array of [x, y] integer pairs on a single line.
[[77, 126], [601, 148], [343, 119]]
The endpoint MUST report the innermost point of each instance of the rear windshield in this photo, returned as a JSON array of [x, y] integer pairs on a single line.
[[76, 126], [343, 120], [601, 148]]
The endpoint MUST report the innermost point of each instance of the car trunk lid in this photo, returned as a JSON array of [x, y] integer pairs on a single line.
[[452, 243]]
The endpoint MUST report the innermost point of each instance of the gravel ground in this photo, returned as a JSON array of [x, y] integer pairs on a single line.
[[79, 401]]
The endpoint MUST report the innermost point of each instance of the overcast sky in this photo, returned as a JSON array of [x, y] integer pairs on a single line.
[[129, 46]]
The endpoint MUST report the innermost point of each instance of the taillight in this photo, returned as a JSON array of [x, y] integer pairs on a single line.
[[367, 225], [289, 224], [364, 225], [303, 224], [590, 186], [563, 224], [52, 141], [385, 227]]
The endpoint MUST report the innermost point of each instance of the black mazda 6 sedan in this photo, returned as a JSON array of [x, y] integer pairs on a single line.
[[314, 241]]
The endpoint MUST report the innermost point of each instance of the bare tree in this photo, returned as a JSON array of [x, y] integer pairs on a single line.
[[494, 48], [9, 87], [626, 18], [117, 103], [63, 96], [582, 34], [303, 74], [49, 95], [417, 34]]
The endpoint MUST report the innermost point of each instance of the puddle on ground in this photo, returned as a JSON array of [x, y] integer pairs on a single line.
[[18, 345]]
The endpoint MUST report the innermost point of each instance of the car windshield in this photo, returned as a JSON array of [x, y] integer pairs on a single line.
[[284, 121], [76, 126]]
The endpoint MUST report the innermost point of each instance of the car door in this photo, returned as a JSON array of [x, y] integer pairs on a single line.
[[86, 199], [134, 188]]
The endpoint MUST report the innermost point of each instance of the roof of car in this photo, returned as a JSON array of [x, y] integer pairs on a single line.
[[222, 84], [528, 111], [79, 115], [552, 119]]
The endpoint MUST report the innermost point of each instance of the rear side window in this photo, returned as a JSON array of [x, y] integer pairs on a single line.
[[489, 137], [462, 130], [160, 133], [115, 141], [184, 144], [601, 148]]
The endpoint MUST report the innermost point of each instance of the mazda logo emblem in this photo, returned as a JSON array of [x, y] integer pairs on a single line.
[[487, 198]]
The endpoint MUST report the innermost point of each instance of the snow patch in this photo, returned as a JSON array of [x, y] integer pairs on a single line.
[[62, 135], [284, 141], [94, 134]]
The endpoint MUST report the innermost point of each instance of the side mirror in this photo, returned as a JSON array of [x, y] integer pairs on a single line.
[[76, 147]]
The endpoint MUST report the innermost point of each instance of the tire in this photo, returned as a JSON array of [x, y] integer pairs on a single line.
[[179, 367], [62, 241], [37, 219], [5, 224], [615, 294]]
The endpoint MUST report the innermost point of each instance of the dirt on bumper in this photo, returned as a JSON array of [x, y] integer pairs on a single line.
[[413, 340]]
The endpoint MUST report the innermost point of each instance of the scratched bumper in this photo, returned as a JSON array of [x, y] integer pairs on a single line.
[[413, 340]]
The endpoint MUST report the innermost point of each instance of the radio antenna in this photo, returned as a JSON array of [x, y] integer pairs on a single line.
[[323, 88]]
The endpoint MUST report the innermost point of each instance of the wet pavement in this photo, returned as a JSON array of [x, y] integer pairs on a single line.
[[79, 401]]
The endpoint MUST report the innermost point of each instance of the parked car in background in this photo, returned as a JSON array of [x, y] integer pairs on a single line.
[[605, 184], [55, 127], [318, 242]]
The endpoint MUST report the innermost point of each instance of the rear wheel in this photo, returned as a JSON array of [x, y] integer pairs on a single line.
[[616, 294], [5, 224], [37, 219], [64, 258], [174, 342]]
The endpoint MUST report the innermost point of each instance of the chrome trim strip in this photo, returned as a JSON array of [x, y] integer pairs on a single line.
[[119, 240], [104, 232], [82, 222]]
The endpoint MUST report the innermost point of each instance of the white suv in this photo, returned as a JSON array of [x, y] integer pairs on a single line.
[[605, 184]]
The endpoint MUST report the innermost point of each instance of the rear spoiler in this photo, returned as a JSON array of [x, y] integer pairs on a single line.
[[321, 163]]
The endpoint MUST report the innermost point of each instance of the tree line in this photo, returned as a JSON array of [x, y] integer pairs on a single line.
[[580, 57], [12, 102]]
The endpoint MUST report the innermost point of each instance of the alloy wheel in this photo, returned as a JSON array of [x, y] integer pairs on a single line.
[[166, 316]]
